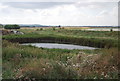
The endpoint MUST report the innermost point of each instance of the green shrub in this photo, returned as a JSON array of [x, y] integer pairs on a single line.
[[53, 28], [12, 26], [111, 30], [41, 28]]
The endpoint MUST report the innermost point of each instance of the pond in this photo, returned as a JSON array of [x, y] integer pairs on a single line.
[[103, 29], [58, 46]]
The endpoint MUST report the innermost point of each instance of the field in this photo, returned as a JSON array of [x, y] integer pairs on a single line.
[[24, 62], [60, 35]]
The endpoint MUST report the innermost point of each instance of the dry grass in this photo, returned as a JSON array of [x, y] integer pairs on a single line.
[[93, 66], [97, 65], [34, 28], [74, 28], [37, 68]]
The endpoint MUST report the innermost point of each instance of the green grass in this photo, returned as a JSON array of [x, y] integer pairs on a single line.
[[31, 62], [27, 61], [88, 38], [13, 61], [66, 33], [74, 33]]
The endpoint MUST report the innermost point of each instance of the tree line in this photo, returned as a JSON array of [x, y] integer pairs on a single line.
[[12, 26]]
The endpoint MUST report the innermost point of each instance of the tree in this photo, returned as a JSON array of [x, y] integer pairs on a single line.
[[59, 26], [111, 29], [1, 26], [12, 26], [53, 28]]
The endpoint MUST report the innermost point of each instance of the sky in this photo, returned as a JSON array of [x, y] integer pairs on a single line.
[[62, 12]]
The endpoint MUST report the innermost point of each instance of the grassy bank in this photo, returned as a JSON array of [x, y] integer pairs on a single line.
[[99, 39], [31, 62]]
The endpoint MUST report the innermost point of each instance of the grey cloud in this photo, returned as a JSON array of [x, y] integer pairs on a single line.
[[59, 0], [35, 5], [102, 4]]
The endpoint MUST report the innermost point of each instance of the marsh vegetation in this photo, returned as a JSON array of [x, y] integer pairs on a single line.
[[41, 63]]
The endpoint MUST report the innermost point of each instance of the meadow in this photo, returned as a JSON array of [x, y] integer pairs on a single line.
[[25, 62], [61, 35]]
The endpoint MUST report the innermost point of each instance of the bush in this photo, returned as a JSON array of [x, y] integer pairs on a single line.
[[41, 28], [63, 28], [111, 30], [53, 28], [1, 26], [12, 26], [37, 29]]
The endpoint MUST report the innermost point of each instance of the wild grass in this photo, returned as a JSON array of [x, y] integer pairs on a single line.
[[74, 33], [18, 56], [99, 39], [25, 62]]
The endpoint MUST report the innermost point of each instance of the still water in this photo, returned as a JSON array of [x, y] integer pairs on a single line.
[[103, 29], [58, 46]]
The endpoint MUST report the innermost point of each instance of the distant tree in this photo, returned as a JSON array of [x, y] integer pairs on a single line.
[[53, 28], [59, 26], [1, 26], [37, 29], [12, 26], [111, 29], [41, 28]]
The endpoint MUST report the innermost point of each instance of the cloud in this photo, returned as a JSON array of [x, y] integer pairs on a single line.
[[59, 0], [34, 5], [75, 13]]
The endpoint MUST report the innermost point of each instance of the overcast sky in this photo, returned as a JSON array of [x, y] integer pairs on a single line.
[[79, 12]]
